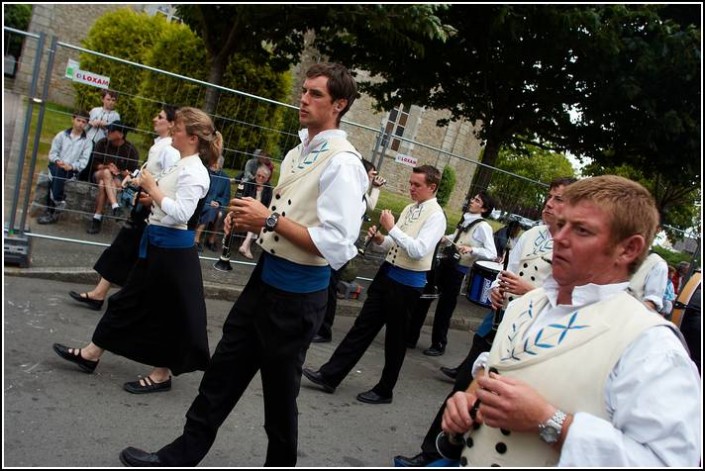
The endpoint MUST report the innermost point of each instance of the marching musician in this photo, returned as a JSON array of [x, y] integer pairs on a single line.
[[395, 289], [309, 228], [527, 268]]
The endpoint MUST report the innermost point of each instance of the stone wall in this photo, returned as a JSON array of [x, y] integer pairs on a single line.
[[69, 23]]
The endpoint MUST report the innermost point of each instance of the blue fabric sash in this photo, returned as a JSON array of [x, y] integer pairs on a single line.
[[166, 237]]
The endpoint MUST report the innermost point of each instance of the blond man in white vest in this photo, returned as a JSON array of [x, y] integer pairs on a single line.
[[310, 227], [394, 291], [581, 373]]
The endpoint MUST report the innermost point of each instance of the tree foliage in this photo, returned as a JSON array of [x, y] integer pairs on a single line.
[[275, 34], [245, 122], [17, 17], [630, 76], [536, 165]]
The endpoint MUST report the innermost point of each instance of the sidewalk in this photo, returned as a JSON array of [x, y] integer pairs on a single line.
[[63, 258]]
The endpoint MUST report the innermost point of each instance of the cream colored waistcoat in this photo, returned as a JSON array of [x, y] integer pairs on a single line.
[[411, 221], [535, 265], [638, 280], [168, 184], [567, 363], [296, 195], [469, 259]]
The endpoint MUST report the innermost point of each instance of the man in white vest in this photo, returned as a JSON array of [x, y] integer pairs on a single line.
[[395, 290], [580, 372], [309, 228], [528, 266]]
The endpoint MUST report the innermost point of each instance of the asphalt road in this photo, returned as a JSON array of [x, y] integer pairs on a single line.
[[57, 416]]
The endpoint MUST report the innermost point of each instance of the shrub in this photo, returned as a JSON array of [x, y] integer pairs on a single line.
[[445, 189]]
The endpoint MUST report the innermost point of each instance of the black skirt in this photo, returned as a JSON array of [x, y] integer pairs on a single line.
[[159, 317], [115, 263]]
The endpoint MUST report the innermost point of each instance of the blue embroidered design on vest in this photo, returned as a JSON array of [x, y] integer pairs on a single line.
[[548, 337], [311, 157], [543, 243]]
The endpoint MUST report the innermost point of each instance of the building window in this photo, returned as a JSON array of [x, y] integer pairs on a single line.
[[396, 125]]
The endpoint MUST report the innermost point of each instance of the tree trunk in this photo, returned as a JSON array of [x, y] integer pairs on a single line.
[[483, 175], [215, 76]]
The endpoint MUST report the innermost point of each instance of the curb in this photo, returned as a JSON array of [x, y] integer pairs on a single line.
[[345, 307]]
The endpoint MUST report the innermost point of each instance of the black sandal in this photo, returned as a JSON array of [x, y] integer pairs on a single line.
[[146, 385]]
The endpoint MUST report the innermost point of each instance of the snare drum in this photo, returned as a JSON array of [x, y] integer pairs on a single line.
[[482, 275]]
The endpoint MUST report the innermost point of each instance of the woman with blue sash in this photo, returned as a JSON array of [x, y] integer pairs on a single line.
[[159, 317]]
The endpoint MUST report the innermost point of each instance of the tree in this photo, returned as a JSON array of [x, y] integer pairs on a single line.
[[533, 163], [17, 17], [524, 70], [678, 205], [275, 34]]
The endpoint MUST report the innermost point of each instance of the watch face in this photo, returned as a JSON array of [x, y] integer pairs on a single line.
[[549, 434]]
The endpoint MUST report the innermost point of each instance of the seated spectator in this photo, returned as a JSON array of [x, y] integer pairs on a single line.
[[69, 154], [113, 159], [216, 204], [262, 192], [259, 158]]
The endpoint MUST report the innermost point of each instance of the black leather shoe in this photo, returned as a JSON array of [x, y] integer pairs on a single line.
[[435, 350], [95, 226], [321, 339], [75, 357], [136, 458], [317, 378], [452, 373], [419, 461], [371, 397], [147, 385], [95, 304]]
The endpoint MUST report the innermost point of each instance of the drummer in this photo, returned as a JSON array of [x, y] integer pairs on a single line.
[[471, 241]]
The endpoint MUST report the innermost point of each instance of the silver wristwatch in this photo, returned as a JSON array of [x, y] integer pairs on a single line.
[[550, 431]]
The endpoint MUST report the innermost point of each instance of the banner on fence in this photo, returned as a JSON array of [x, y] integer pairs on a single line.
[[406, 160]]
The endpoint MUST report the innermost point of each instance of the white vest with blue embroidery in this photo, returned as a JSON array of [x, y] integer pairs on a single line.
[[296, 196], [411, 220], [535, 265], [568, 363], [637, 283]]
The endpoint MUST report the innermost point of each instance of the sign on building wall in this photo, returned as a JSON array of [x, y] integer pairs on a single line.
[[74, 72], [406, 160]]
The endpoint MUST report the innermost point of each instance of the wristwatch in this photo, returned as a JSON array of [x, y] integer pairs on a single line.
[[271, 222], [550, 431]]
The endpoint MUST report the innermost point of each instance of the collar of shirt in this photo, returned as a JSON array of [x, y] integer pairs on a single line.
[[303, 135], [585, 294], [422, 203], [470, 217]]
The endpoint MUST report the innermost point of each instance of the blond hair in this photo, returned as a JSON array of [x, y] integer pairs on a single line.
[[198, 123], [629, 206]]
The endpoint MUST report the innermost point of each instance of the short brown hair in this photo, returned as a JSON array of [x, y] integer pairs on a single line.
[[433, 175], [341, 83]]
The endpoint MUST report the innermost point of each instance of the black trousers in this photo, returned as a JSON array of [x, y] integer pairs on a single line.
[[388, 303], [462, 382], [59, 177], [449, 282], [267, 330], [326, 329]]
